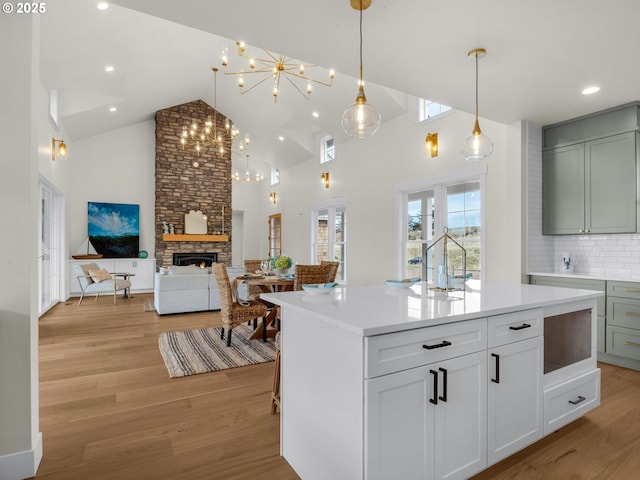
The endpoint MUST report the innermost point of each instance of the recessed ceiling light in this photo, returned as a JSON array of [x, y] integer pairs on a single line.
[[315, 114], [108, 68], [113, 109], [103, 5], [281, 138], [590, 90]]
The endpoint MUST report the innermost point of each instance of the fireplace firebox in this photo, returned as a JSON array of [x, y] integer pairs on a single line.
[[199, 259]]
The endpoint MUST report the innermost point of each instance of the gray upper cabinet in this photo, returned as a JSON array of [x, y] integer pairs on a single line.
[[591, 186], [563, 190]]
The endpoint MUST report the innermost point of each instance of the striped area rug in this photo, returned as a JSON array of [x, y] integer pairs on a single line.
[[190, 352]]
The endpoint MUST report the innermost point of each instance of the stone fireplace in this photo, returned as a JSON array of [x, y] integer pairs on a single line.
[[181, 186]]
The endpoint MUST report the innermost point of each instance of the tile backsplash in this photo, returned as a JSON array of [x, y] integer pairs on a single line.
[[615, 255], [612, 255]]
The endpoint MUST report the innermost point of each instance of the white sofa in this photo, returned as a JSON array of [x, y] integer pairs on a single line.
[[189, 289]]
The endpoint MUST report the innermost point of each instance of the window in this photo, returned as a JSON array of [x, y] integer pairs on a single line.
[[54, 106], [464, 221], [454, 203], [329, 241], [327, 149], [275, 175], [428, 109], [420, 230]]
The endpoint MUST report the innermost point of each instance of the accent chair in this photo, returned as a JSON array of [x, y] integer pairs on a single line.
[[93, 279]]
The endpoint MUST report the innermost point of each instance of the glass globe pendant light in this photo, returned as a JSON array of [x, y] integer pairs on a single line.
[[477, 146], [361, 119]]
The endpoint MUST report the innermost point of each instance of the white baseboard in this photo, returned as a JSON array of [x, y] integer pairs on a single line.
[[21, 465]]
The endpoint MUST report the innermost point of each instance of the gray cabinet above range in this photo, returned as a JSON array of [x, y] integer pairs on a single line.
[[590, 173]]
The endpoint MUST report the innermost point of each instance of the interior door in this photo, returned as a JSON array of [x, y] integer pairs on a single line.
[[275, 235], [50, 244]]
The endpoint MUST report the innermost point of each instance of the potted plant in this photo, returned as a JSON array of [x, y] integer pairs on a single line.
[[282, 263]]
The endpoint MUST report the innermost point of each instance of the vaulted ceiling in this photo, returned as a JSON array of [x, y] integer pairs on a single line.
[[541, 54]]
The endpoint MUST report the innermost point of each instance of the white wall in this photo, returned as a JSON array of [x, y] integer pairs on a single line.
[[539, 247], [115, 167], [118, 167], [249, 199], [367, 171], [20, 441]]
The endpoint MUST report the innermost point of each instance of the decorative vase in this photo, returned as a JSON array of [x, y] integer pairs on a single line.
[[281, 271]]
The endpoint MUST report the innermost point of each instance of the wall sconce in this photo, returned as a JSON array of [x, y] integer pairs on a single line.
[[324, 178], [62, 148], [272, 197], [431, 145]]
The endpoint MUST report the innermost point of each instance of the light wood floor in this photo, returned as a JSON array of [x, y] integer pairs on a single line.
[[108, 410]]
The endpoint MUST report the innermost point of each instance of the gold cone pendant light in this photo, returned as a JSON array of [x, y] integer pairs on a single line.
[[361, 119], [477, 146]]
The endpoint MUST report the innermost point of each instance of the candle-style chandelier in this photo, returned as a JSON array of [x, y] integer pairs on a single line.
[[275, 67], [202, 134], [249, 176]]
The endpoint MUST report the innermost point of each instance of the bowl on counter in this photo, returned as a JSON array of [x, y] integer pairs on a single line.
[[403, 283], [319, 287]]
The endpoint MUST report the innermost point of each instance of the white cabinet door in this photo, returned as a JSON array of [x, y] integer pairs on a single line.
[[428, 422], [399, 426], [515, 397], [143, 271], [460, 429]]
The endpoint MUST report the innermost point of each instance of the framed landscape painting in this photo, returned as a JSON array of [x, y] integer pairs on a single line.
[[114, 229]]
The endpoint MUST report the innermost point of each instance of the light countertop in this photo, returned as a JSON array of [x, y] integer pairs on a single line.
[[374, 310]]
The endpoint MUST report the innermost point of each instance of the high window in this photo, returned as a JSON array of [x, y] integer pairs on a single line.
[[327, 149], [329, 236], [454, 204], [428, 109], [275, 176]]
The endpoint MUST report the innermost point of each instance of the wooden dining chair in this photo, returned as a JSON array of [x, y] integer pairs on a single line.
[[333, 270], [232, 313], [306, 274], [251, 266]]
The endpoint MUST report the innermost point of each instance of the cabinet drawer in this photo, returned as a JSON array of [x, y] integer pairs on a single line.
[[623, 312], [403, 350], [623, 289], [624, 342], [512, 327], [568, 401]]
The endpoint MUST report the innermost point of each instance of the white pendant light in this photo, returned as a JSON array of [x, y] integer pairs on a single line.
[[361, 119], [477, 146]]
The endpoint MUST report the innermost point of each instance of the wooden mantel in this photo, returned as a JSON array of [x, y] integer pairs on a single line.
[[167, 237]]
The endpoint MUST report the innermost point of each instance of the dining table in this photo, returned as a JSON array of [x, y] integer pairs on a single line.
[[268, 284]]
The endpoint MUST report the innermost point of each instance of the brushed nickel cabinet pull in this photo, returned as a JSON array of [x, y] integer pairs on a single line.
[[632, 343]]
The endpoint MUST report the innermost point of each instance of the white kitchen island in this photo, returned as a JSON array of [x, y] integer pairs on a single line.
[[384, 383]]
